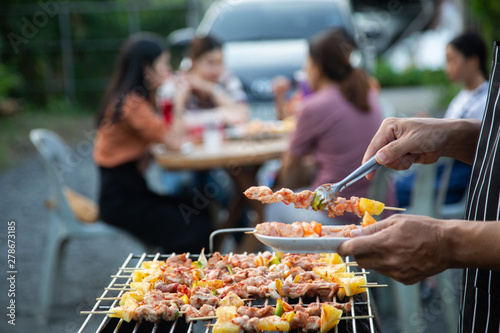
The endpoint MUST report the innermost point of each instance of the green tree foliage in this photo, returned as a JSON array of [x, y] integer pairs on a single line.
[[30, 46], [487, 13]]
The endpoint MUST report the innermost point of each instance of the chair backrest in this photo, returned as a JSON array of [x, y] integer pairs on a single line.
[[380, 186], [60, 164], [424, 198], [443, 210], [59, 155]]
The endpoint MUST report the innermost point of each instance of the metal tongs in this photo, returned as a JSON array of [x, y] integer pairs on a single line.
[[326, 194]]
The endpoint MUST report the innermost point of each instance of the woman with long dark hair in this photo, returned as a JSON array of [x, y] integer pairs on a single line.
[[127, 125], [334, 127]]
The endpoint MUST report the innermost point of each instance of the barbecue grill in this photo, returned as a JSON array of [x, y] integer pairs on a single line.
[[361, 312]]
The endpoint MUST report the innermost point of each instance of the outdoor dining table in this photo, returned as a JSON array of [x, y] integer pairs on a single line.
[[241, 159]]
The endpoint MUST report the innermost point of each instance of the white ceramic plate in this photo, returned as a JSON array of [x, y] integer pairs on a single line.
[[302, 245]]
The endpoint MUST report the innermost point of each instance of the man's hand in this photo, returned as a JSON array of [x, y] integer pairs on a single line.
[[407, 248], [400, 142]]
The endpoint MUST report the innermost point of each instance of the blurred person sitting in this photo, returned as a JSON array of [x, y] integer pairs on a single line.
[[336, 124], [292, 105], [289, 106], [465, 64], [127, 125], [208, 85], [206, 94]]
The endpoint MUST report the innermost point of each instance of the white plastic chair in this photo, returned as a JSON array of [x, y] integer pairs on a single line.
[[61, 166], [448, 211], [424, 201]]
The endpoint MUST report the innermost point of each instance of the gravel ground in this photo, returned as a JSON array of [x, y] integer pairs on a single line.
[[87, 265]]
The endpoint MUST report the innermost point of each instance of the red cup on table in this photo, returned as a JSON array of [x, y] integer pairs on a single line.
[[167, 110]]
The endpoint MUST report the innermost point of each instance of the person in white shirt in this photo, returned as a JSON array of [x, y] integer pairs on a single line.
[[465, 64]]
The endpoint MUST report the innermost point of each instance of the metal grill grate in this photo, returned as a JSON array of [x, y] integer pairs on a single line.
[[362, 306]]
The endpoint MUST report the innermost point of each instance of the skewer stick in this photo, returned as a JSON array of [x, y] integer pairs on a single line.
[[395, 208], [119, 289], [96, 312], [203, 318], [356, 317], [368, 285], [121, 276], [341, 318], [108, 298]]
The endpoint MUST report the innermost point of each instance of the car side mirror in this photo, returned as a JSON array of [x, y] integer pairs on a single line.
[[181, 37]]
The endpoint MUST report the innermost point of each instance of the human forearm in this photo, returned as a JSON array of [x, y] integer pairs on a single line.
[[473, 244], [463, 137], [400, 142], [220, 97], [409, 248]]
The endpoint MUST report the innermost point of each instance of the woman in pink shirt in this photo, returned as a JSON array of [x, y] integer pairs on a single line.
[[335, 126]]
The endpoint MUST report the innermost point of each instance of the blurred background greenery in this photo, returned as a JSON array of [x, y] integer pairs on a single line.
[[32, 65]]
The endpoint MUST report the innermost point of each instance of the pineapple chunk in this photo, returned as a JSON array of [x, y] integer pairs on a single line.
[[152, 277], [371, 206], [330, 317], [231, 299], [152, 264], [130, 302], [185, 299], [137, 296], [337, 276], [367, 220], [324, 272], [336, 279], [211, 284], [352, 286], [327, 272], [124, 312], [226, 327], [226, 313], [273, 323], [139, 274], [141, 287], [340, 294], [332, 259], [339, 268], [288, 316]]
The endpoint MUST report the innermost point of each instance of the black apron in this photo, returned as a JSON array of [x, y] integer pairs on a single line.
[[480, 308]]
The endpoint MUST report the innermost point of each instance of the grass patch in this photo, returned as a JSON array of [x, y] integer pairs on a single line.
[[67, 121]]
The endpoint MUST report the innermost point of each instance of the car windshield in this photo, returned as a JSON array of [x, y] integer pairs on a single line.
[[275, 20]]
